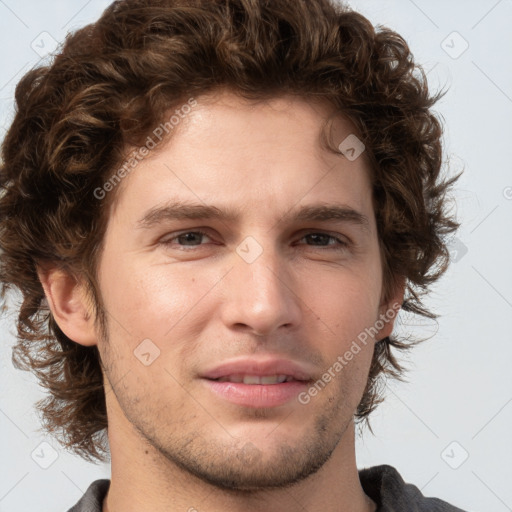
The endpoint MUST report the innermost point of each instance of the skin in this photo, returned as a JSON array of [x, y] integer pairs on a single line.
[[174, 444]]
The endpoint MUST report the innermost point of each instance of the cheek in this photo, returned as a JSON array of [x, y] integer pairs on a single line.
[[346, 300], [155, 301]]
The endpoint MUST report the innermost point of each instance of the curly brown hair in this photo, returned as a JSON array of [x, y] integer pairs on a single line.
[[107, 89]]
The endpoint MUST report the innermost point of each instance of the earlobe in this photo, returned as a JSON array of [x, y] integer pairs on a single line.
[[68, 303], [389, 309]]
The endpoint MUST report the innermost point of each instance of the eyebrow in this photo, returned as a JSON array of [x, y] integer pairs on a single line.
[[191, 211]]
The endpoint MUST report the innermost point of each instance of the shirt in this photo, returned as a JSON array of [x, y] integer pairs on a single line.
[[383, 484]]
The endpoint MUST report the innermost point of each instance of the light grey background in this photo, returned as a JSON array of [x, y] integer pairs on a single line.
[[457, 402]]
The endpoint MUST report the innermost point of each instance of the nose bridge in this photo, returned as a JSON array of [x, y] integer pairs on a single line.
[[261, 293]]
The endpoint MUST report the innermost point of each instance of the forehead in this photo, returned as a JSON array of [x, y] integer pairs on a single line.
[[264, 156]]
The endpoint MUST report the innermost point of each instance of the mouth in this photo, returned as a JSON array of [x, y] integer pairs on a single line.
[[256, 383], [252, 380]]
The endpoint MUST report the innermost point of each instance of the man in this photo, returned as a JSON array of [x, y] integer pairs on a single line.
[[214, 211]]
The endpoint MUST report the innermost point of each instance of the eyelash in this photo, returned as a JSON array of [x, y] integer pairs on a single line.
[[339, 246]]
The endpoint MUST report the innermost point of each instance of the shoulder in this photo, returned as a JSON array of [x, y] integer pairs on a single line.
[[384, 485], [92, 500]]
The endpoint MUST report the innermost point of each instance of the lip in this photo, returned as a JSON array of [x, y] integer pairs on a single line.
[[258, 395], [262, 367]]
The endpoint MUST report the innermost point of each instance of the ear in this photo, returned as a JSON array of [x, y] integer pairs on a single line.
[[69, 305], [388, 310]]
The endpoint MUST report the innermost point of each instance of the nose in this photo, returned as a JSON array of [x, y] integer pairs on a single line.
[[260, 296]]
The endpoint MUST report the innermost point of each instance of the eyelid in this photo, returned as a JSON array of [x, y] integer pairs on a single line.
[[342, 238], [169, 237]]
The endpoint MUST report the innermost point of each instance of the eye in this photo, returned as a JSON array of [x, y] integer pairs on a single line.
[[186, 239], [320, 239], [196, 239]]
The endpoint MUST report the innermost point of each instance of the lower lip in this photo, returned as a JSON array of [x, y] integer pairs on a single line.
[[257, 395]]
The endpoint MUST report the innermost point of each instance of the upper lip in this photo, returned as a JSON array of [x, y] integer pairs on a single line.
[[260, 367]]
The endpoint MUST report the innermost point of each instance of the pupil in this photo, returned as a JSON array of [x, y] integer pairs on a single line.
[[320, 237], [189, 237]]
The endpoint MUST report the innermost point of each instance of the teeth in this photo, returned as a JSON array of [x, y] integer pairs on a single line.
[[232, 378], [255, 379], [251, 379], [273, 379]]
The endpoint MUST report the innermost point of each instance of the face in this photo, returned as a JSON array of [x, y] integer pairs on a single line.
[[240, 262]]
